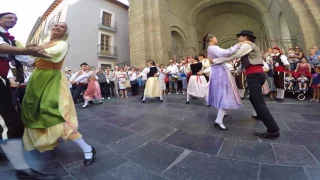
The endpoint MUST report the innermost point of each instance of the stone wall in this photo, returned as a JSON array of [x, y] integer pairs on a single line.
[[295, 19]]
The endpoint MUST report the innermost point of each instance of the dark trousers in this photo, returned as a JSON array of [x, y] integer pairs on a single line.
[[78, 91], [255, 82], [134, 89], [17, 97], [105, 89], [112, 87], [179, 83], [13, 125]]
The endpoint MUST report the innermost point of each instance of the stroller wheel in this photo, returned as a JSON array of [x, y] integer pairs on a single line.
[[301, 97]]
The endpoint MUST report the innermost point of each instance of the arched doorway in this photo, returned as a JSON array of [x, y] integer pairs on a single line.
[[225, 20]]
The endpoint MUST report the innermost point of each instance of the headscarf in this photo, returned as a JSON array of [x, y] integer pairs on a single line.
[[277, 48]]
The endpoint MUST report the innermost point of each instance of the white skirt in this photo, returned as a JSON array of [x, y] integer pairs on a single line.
[[197, 86], [162, 85], [152, 88]]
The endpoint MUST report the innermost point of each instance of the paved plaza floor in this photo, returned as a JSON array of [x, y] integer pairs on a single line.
[[176, 141]]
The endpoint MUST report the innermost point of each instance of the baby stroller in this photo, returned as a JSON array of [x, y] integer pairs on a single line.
[[301, 94]]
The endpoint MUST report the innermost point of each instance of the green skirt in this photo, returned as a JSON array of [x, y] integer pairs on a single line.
[[40, 106]]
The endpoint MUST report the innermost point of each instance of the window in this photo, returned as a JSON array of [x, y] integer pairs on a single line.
[[106, 19], [58, 16], [105, 44], [51, 22], [104, 66]]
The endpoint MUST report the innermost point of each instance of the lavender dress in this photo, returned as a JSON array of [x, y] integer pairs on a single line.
[[223, 92]]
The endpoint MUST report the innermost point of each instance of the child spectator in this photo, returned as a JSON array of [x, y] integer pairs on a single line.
[[289, 80], [315, 84]]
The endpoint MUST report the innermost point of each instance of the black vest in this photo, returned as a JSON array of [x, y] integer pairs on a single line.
[[277, 59], [14, 61], [153, 70]]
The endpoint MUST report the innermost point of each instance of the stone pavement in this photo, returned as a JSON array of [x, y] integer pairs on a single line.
[[175, 141]]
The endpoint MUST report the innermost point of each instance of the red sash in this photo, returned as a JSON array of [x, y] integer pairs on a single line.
[[4, 67]]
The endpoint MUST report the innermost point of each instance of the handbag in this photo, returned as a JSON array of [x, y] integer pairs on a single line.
[[127, 83], [134, 82]]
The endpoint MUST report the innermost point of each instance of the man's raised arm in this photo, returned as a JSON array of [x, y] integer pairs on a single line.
[[243, 50]]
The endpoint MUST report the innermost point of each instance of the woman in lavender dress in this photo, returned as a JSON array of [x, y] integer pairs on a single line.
[[223, 92]]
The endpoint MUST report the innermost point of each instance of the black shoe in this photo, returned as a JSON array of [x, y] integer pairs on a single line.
[[217, 126], [91, 102], [242, 98], [30, 174], [100, 102], [225, 115], [255, 117], [161, 100], [88, 162], [3, 156], [280, 100], [143, 101], [267, 135], [208, 105], [187, 102]]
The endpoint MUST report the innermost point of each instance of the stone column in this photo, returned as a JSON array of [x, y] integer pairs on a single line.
[[309, 30], [149, 31]]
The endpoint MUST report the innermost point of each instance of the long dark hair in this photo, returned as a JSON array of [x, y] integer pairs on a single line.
[[205, 40]]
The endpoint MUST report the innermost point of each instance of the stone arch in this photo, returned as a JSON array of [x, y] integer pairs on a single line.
[[284, 31], [258, 5], [179, 36]]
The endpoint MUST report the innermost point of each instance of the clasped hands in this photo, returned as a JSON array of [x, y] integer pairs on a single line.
[[36, 50]]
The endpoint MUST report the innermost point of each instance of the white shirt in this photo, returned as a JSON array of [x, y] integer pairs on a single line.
[[68, 77], [24, 60], [76, 75], [284, 59], [133, 76], [172, 69], [26, 77], [85, 76]]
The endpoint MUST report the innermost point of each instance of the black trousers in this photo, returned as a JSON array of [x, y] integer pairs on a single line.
[[11, 126], [255, 82], [105, 89], [134, 89], [78, 91], [112, 87]]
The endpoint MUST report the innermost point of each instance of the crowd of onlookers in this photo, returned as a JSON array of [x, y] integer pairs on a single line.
[[302, 73]]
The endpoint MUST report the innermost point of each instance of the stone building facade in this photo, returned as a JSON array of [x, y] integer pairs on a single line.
[[163, 29], [99, 31]]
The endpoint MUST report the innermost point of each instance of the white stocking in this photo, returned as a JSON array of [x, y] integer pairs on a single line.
[[241, 92], [188, 96], [278, 93], [282, 93], [144, 98], [84, 147], [220, 115], [14, 151]]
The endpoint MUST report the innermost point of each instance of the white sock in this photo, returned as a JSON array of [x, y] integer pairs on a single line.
[[241, 92], [282, 93], [220, 116], [254, 113], [85, 147], [161, 95], [14, 151], [144, 98], [278, 93], [188, 96], [86, 102]]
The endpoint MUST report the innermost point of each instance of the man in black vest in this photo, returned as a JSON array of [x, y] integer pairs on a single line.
[[252, 63], [11, 126]]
